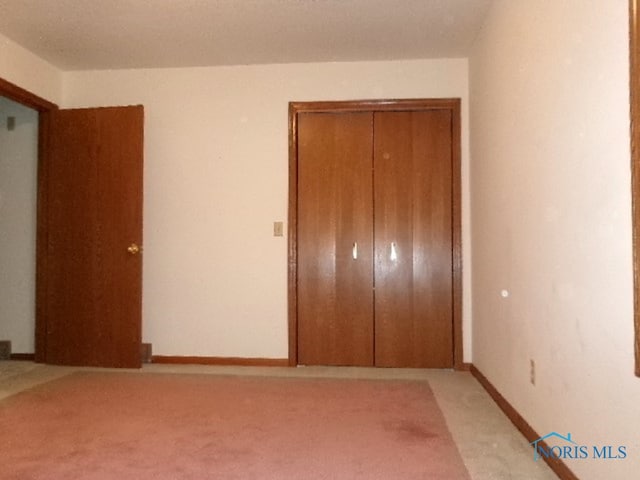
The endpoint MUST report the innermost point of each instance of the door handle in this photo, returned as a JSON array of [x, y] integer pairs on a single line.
[[394, 254], [134, 249], [354, 251]]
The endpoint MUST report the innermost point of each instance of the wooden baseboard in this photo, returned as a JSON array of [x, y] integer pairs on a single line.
[[23, 356], [227, 361], [463, 367], [558, 466]]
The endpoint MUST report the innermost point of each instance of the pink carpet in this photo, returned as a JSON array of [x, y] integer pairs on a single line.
[[161, 426]]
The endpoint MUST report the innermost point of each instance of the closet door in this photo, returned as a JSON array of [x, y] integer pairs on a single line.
[[413, 239], [335, 239]]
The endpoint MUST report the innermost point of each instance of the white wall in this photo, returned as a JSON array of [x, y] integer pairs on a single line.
[[18, 187], [216, 176], [551, 213], [21, 67]]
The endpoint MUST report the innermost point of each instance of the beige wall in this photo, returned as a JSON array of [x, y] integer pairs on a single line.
[[18, 179], [216, 178], [21, 67], [551, 210]]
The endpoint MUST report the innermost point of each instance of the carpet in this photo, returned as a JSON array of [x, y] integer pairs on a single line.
[[95, 425]]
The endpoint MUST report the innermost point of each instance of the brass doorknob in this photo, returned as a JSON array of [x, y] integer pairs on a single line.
[[133, 249]]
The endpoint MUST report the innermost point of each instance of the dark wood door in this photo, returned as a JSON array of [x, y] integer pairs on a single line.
[[93, 219], [335, 239], [413, 239]]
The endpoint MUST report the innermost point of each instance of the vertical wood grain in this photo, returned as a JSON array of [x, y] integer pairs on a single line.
[[94, 211], [413, 206], [120, 200], [335, 211], [452, 105], [292, 241], [456, 234], [72, 330]]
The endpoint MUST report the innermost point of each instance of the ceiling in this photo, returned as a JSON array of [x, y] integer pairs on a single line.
[[111, 34]]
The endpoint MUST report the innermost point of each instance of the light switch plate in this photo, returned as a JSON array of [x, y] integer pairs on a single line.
[[278, 229]]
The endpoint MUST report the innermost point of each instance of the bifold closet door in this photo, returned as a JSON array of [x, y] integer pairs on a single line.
[[335, 239], [413, 239]]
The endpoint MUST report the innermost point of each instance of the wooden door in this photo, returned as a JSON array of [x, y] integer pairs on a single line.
[[413, 239], [92, 273], [335, 239]]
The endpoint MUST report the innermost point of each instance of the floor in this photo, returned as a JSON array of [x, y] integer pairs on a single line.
[[491, 447]]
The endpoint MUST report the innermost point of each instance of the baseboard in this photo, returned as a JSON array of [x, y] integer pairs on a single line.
[[23, 356], [227, 361], [557, 465], [463, 367]]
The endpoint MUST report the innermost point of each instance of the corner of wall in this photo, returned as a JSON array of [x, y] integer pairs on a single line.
[[26, 70]]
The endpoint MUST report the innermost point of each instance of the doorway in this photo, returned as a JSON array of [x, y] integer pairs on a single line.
[[351, 319], [18, 194], [89, 233], [27, 99]]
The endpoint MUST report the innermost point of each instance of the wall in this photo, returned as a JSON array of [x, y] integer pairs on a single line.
[[21, 67], [18, 187], [216, 172], [551, 214]]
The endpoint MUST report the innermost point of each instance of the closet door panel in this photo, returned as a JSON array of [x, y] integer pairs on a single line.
[[335, 224], [413, 239]]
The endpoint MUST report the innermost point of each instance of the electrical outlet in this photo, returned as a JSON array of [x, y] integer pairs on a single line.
[[532, 372]]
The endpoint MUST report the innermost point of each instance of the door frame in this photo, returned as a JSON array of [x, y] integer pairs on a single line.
[[451, 104], [43, 107]]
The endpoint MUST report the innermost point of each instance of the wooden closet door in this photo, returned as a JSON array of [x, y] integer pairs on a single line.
[[335, 212], [413, 239]]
